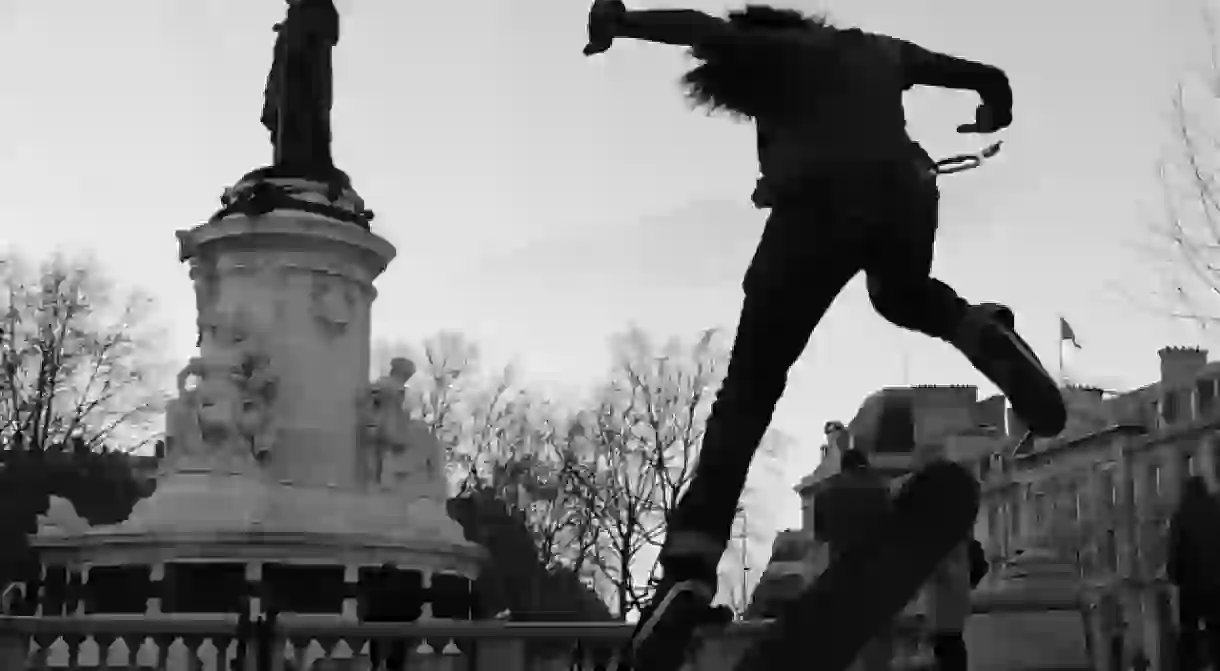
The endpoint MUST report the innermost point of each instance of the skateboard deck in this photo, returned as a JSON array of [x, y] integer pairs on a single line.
[[865, 588], [1026, 441], [1008, 361]]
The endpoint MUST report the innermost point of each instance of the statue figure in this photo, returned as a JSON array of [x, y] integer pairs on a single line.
[[228, 413], [258, 384], [386, 421], [201, 423], [419, 465], [297, 100]]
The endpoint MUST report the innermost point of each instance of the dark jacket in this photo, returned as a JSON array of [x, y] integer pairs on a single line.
[[1194, 540], [979, 566]]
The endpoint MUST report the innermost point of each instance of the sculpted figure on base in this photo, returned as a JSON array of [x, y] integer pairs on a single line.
[[385, 419], [227, 416], [399, 453], [420, 468]]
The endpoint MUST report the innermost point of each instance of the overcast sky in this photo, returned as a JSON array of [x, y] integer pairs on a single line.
[[541, 201]]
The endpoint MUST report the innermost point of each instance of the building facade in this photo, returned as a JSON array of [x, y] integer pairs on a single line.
[[1100, 494]]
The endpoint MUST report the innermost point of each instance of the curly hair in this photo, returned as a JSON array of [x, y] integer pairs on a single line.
[[760, 80]]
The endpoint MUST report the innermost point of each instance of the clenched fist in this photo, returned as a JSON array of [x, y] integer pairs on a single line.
[[604, 17]]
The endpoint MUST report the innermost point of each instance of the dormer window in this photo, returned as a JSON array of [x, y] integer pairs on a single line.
[[1205, 393], [1170, 408]]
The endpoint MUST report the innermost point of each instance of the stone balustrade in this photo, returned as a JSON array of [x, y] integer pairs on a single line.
[[325, 643]]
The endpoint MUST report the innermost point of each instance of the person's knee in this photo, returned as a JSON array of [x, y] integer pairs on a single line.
[[891, 300]]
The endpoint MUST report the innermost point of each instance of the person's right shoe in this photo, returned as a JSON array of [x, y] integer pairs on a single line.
[[988, 338]]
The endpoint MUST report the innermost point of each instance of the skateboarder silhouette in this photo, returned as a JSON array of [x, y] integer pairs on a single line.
[[849, 191]]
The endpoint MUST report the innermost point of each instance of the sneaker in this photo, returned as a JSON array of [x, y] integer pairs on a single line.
[[682, 603], [988, 338], [662, 636]]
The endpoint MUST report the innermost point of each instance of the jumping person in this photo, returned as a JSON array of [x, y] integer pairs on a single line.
[[849, 191]]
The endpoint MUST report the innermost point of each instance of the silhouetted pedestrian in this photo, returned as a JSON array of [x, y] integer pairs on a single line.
[[1194, 566], [851, 509]]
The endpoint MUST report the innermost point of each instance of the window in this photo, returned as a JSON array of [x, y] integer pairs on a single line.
[[1111, 551], [1205, 392], [1170, 410], [1105, 485]]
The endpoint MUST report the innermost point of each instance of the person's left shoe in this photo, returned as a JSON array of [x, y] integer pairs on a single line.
[[682, 603]]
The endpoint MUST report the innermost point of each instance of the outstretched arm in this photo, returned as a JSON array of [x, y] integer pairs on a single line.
[[928, 68], [609, 19], [684, 27]]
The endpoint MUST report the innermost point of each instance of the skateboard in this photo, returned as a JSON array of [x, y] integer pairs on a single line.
[[1008, 361], [865, 588], [1026, 441]]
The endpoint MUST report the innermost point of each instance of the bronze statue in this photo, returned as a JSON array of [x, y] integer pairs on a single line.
[[297, 101]]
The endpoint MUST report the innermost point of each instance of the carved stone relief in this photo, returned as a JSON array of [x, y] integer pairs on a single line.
[[333, 304], [207, 290], [228, 415]]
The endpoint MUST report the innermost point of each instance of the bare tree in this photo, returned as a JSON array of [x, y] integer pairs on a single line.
[[596, 486], [79, 358], [503, 437], [647, 428], [621, 490], [447, 380], [1188, 234]]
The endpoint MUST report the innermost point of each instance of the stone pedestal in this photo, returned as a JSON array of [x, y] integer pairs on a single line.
[[302, 285], [1007, 639], [268, 496]]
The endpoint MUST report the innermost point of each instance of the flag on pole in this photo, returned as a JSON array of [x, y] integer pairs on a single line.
[[1066, 334]]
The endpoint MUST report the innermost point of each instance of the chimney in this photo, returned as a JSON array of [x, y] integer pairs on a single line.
[[1083, 395], [1181, 365]]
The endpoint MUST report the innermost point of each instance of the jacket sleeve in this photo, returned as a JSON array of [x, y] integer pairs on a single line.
[[923, 67]]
